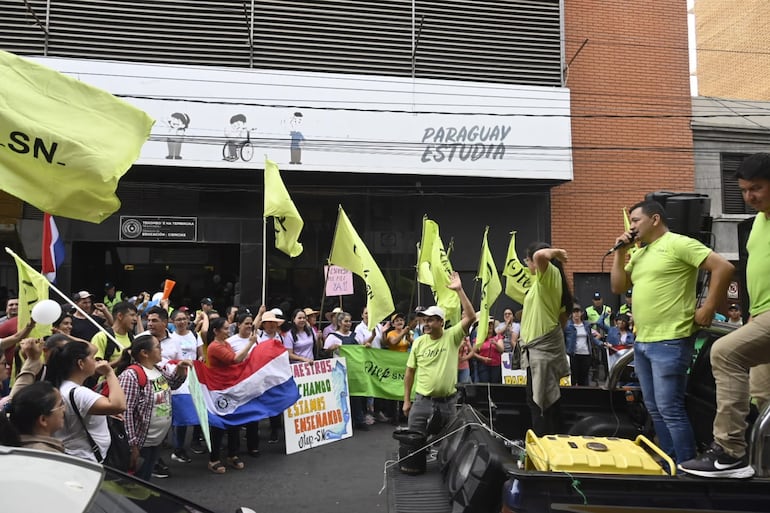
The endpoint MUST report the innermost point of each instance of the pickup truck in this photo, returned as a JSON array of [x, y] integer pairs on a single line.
[[500, 480]]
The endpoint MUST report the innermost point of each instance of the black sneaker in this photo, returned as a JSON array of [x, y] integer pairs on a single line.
[[160, 470], [180, 456], [715, 462], [197, 447]]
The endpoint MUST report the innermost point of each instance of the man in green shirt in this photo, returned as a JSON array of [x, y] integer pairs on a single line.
[[663, 272], [432, 363], [740, 361], [123, 325]]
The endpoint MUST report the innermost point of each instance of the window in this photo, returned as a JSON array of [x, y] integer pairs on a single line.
[[732, 200]]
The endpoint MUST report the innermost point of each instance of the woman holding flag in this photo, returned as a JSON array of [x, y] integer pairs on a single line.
[[220, 356], [542, 335]]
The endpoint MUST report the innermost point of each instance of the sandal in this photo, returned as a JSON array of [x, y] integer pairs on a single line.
[[236, 463], [217, 467]]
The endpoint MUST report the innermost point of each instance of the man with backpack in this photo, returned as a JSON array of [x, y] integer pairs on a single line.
[[124, 316]]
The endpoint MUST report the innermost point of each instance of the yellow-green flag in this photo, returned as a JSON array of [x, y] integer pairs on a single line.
[[64, 144], [33, 288], [350, 252], [433, 261], [518, 279], [286, 220], [490, 288]]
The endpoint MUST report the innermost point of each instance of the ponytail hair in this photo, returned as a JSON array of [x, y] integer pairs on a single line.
[[567, 300], [129, 356], [214, 324], [62, 360]]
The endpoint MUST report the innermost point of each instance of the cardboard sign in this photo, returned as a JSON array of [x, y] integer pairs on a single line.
[[339, 281]]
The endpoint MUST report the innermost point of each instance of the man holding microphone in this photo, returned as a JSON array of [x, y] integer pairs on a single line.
[[663, 273]]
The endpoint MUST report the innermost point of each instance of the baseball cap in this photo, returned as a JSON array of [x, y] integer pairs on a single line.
[[109, 285], [83, 294], [207, 301], [434, 311], [629, 293], [419, 311], [337, 310], [597, 295], [733, 307]]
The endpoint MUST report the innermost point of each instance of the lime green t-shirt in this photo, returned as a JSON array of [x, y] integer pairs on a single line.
[[664, 274], [435, 362], [542, 305], [758, 266], [100, 341]]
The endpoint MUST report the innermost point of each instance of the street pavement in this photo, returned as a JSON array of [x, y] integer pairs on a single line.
[[340, 477]]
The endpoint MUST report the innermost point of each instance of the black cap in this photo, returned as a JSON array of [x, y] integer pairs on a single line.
[[207, 301], [597, 295], [109, 285], [734, 307], [629, 292]]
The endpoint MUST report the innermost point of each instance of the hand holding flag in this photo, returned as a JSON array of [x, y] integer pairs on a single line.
[[434, 269]]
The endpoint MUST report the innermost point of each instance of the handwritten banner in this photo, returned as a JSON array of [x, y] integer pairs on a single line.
[[322, 413], [339, 281]]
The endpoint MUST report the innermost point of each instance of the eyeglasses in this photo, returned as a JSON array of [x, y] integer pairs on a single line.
[[60, 407]]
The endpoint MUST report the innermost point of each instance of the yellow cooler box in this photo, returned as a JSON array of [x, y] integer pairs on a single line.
[[594, 454]]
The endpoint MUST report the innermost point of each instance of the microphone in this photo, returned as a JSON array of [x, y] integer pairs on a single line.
[[621, 244]]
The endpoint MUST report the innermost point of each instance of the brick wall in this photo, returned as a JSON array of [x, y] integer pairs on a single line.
[[634, 64], [733, 38]]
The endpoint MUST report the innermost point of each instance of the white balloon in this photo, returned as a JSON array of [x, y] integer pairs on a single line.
[[157, 296], [46, 311]]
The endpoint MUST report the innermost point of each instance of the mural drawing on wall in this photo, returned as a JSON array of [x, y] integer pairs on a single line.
[[238, 144], [177, 125], [297, 138]]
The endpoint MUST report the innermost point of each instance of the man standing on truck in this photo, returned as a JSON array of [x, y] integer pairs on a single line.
[[663, 273], [433, 358], [740, 361]]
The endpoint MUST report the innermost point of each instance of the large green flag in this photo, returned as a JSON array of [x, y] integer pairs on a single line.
[[64, 144], [286, 220], [434, 269], [490, 288], [518, 279], [33, 288], [350, 252], [375, 372]]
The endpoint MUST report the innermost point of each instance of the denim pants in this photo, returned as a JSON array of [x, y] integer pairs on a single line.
[[422, 409], [149, 457], [662, 371]]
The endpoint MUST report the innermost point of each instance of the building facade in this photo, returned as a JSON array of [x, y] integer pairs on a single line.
[[583, 107]]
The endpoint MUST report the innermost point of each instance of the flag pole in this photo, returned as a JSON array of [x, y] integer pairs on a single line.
[[264, 259], [68, 300], [326, 278]]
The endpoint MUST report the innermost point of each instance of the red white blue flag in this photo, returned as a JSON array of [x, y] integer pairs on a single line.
[[53, 248], [259, 387]]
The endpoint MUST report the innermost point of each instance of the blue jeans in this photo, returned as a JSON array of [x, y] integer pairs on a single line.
[[662, 371], [464, 375], [150, 457]]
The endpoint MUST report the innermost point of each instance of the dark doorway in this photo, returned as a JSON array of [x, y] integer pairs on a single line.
[[198, 269]]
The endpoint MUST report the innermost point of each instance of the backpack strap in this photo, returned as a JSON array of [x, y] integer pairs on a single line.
[[141, 375]]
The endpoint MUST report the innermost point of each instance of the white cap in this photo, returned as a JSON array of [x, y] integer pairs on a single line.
[[277, 312], [434, 311]]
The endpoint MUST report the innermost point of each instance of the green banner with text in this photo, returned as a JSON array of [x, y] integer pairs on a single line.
[[375, 372]]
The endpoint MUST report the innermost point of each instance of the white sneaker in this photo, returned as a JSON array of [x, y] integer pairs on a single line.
[[368, 420]]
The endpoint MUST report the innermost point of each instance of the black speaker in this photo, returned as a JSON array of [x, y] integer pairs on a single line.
[[455, 432], [477, 472], [687, 213]]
